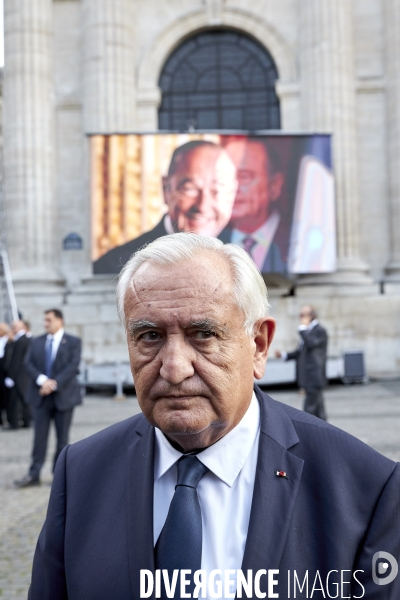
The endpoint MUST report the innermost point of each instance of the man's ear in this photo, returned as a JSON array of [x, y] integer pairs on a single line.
[[276, 185], [166, 189], [263, 336]]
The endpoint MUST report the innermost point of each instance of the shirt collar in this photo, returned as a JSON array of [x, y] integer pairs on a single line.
[[263, 235], [168, 224], [19, 334], [313, 323], [57, 337], [226, 457]]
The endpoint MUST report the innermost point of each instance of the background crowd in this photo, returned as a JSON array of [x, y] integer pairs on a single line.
[[14, 344], [39, 381]]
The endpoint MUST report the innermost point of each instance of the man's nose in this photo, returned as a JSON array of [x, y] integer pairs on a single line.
[[205, 199], [177, 359]]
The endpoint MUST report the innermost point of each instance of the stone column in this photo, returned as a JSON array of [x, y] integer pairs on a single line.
[[328, 105], [392, 38], [29, 139], [109, 66]]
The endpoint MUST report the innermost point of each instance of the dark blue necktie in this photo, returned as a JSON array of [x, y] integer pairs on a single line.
[[179, 544], [49, 356], [248, 244]]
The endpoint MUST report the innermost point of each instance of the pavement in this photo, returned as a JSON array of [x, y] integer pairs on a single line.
[[370, 412]]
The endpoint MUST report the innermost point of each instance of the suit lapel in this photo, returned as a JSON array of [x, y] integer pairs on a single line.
[[140, 482], [273, 497], [225, 235], [42, 356], [61, 348]]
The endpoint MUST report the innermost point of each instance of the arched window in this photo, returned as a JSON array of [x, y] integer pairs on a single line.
[[219, 79]]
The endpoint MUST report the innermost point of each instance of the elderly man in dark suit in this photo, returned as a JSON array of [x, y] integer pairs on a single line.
[[310, 357], [52, 364], [214, 479], [16, 376]]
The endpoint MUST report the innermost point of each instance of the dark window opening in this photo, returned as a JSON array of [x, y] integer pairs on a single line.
[[219, 79]]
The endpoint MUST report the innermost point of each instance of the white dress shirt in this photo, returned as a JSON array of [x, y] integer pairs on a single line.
[[263, 237], [18, 335], [225, 492], [57, 337], [308, 327], [168, 224]]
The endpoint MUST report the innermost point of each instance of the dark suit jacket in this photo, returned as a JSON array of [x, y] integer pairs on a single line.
[[273, 262], [4, 360], [339, 505], [14, 356], [311, 358], [64, 371], [113, 260], [3, 389]]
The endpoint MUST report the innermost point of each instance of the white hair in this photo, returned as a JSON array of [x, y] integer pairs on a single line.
[[249, 290]]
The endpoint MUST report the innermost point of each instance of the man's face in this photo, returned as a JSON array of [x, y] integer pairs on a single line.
[[306, 315], [201, 191], [52, 324], [192, 362], [256, 188]]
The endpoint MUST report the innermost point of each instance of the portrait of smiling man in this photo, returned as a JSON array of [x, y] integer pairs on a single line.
[[214, 475], [199, 191]]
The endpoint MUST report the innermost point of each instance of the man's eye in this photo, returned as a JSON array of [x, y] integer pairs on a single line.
[[150, 336], [188, 190], [204, 335]]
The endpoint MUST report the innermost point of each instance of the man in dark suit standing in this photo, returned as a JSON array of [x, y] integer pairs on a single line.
[[16, 380], [52, 364], [214, 475], [310, 357]]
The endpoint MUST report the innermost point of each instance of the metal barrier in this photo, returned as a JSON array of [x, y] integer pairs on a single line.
[[119, 376]]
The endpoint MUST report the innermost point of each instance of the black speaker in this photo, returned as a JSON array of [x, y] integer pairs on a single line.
[[354, 368]]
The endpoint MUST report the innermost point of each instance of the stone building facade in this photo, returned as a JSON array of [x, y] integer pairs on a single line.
[[74, 67]]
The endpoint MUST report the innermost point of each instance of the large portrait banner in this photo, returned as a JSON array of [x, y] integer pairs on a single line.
[[271, 194]]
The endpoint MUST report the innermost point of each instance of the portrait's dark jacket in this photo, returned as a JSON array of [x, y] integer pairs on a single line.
[[64, 370], [310, 358], [273, 262], [339, 504], [113, 260], [277, 256], [14, 357]]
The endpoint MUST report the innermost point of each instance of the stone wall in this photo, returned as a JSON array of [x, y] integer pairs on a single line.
[[356, 318], [80, 66]]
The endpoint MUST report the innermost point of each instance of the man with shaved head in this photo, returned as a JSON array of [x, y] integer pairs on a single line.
[[215, 489]]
